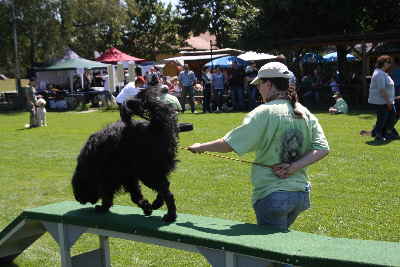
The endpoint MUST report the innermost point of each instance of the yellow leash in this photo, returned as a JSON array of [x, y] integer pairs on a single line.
[[224, 157]]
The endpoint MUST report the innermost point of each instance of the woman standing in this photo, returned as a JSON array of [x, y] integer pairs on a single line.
[[381, 95], [285, 135]]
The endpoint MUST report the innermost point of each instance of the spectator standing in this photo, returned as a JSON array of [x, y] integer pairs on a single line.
[[130, 90], [236, 82], [334, 85], [206, 79], [187, 79], [381, 95], [251, 73], [292, 78], [218, 87], [31, 103], [316, 85], [395, 74]]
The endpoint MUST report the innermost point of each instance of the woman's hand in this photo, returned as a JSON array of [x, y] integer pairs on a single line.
[[284, 170], [196, 148]]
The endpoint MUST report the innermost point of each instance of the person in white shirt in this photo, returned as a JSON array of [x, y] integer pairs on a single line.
[[130, 90]]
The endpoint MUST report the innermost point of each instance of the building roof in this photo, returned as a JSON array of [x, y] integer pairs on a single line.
[[200, 42]]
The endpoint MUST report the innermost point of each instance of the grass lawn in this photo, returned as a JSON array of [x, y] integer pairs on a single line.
[[9, 84], [355, 189]]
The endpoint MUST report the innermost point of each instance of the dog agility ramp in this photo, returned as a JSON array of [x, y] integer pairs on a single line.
[[222, 242]]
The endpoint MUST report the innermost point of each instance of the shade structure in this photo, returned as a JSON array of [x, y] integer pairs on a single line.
[[226, 62], [332, 57], [113, 55], [62, 72], [311, 58], [254, 56], [73, 64]]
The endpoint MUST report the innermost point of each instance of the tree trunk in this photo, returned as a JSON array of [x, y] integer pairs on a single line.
[[341, 61]]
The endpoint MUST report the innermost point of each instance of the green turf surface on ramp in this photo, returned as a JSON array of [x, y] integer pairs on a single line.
[[303, 248]]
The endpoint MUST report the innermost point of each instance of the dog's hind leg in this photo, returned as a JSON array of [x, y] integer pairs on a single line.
[[138, 199], [158, 202]]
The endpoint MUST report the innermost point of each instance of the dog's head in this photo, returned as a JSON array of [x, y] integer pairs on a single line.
[[41, 102], [84, 191], [139, 105]]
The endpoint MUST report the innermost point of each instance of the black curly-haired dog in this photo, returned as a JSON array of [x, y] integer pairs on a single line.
[[118, 157]]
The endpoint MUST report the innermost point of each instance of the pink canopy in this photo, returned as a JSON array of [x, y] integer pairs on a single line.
[[114, 55]]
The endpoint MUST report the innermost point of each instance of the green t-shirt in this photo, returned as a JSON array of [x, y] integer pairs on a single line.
[[276, 135], [341, 105], [171, 100]]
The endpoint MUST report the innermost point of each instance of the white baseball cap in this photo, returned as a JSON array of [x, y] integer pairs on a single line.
[[272, 70]]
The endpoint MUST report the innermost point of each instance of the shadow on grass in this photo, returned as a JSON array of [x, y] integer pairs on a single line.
[[7, 261], [12, 112], [378, 143], [235, 230]]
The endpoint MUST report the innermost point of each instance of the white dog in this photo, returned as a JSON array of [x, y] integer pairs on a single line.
[[41, 112]]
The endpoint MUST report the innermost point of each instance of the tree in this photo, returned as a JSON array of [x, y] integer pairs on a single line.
[[151, 30], [96, 25], [224, 18], [282, 20]]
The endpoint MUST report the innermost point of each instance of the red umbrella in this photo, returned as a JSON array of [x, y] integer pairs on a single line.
[[114, 55]]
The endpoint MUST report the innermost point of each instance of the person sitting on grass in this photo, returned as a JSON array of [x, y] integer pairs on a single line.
[[340, 106], [166, 98]]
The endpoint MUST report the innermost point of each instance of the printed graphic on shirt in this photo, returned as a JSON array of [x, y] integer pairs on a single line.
[[292, 141]]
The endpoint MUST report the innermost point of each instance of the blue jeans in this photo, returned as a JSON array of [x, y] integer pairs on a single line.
[[237, 97], [280, 209], [385, 122], [251, 94], [187, 91]]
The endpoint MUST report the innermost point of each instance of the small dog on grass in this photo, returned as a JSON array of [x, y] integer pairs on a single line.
[[125, 153], [41, 112]]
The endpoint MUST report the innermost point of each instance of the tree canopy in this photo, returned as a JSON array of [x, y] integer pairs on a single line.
[[47, 27]]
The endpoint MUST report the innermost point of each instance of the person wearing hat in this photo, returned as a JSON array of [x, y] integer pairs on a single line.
[[130, 90], [285, 136], [340, 106], [31, 103], [169, 99]]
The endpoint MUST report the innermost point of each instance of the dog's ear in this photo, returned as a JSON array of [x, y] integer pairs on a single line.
[[132, 106]]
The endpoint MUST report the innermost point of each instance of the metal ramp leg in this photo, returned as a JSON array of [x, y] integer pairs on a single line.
[[67, 235], [218, 258]]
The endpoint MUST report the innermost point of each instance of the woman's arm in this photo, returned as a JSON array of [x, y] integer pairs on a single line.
[[284, 170], [218, 145]]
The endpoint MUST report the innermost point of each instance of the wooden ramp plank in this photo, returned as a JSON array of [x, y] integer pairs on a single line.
[[238, 237], [17, 237], [300, 248]]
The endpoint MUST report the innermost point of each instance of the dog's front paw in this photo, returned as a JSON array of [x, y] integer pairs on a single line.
[[147, 209], [101, 209], [169, 218]]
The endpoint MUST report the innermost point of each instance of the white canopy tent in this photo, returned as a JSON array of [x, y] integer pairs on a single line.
[[181, 60], [254, 56]]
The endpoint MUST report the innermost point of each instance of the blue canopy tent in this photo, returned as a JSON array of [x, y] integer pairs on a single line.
[[226, 62], [311, 58], [332, 57]]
